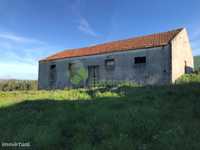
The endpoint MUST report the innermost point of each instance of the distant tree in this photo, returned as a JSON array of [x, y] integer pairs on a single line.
[[12, 85]]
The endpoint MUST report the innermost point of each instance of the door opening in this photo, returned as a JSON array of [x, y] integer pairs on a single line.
[[93, 75]]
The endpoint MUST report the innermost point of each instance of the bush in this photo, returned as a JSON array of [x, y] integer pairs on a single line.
[[188, 78], [13, 85]]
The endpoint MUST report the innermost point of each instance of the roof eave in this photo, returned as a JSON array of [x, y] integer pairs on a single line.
[[148, 47]]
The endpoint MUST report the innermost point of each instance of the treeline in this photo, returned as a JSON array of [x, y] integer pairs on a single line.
[[13, 85]]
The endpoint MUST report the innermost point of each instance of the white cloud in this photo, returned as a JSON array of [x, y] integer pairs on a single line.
[[19, 56], [85, 27], [19, 39], [82, 23]]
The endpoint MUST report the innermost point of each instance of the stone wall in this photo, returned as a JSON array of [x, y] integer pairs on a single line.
[[181, 55], [156, 70]]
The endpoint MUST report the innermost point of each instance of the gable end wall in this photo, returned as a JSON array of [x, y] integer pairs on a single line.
[[181, 52]]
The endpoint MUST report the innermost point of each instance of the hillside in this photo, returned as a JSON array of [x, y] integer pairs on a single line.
[[130, 117], [196, 62]]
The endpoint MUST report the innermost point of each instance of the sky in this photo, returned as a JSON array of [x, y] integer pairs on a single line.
[[34, 29]]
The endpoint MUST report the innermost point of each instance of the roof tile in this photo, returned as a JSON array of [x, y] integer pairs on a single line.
[[153, 40]]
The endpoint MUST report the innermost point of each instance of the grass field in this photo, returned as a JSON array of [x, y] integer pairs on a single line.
[[131, 118]]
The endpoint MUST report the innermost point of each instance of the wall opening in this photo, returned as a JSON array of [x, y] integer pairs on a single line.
[[52, 75], [93, 75], [110, 64], [69, 66], [140, 60], [78, 74]]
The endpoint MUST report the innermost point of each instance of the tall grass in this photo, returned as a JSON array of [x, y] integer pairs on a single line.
[[128, 117]]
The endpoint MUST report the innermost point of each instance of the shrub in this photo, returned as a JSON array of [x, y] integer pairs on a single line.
[[186, 78], [12, 85]]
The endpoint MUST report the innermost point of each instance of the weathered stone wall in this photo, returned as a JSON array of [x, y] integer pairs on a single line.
[[155, 71], [181, 54]]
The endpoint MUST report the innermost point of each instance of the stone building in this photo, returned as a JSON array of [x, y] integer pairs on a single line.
[[158, 58]]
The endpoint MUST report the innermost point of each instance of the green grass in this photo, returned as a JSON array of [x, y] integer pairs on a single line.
[[132, 118]]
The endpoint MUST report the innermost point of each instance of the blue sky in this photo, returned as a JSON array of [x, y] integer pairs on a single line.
[[33, 29]]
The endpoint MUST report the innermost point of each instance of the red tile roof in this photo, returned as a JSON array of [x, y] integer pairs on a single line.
[[153, 40]]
